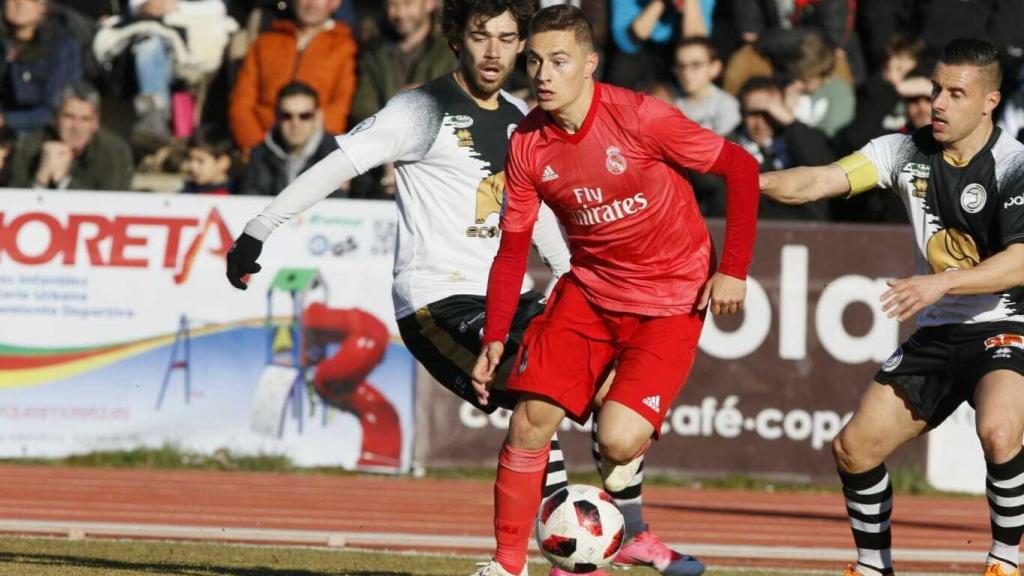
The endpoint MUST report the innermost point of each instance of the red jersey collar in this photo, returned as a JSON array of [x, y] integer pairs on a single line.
[[575, 138]]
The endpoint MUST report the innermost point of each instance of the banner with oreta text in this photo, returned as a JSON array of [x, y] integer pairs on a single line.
[[118, 329]]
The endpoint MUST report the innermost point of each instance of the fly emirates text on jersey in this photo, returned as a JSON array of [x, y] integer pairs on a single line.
[[587, 215]]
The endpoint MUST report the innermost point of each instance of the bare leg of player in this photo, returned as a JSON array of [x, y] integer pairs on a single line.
[[881, 424], [999, 400]]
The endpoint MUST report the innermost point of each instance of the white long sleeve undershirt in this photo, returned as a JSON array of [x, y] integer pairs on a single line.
[[312, 186], [324, 177]]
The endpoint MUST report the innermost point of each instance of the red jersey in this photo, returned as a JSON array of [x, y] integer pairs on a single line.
[[638, 241]]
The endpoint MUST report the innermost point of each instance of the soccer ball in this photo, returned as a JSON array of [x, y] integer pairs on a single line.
[[579, 528]]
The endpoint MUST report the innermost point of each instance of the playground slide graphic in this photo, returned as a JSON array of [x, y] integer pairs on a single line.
[[328, 354]]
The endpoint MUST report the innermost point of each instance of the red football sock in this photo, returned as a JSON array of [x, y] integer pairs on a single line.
[[517, 495]]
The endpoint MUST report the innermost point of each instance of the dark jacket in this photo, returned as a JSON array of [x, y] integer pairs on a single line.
[[877, 22], [32, 75], [877, 100], [267, 172], [831, 17], [379, 76], [939, 21], [106, 163]]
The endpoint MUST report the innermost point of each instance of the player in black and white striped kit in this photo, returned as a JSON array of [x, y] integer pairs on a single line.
[[962, 181], [448, 141]]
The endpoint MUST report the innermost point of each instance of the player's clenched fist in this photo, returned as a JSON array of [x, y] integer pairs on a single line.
[[242, 260], [483, 371]]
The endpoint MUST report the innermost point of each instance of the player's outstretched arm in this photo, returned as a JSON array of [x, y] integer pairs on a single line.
[[503, 286], [483, 372], [310, 187], [682, 142], [389, 136], [727, 288], [520, 210], [998, 273], [805, 184]]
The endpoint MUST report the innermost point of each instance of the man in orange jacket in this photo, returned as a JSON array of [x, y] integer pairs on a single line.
[[311, 48]]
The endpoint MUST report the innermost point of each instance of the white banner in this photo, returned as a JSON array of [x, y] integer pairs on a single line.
[[956, 462], [119, 329]]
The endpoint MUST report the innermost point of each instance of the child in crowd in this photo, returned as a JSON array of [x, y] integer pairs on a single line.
[[818, 97], [696, 68], [209, 164]]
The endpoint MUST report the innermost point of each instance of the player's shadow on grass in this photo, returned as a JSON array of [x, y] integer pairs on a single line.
[[838, 517], [177, 569]]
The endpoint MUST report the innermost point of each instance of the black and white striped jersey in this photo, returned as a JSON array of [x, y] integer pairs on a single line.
[[449, 155], [961, 215]]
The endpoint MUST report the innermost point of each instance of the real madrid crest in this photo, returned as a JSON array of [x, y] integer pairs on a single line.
[[972, 199], [614, 161]]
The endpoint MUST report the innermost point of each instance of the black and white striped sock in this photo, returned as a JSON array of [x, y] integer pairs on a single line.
[[869, 505], [555, 477], [1005, 488], [629, 499]]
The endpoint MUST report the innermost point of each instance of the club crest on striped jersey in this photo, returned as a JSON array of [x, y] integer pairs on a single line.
[[893, 361], [972, 199], [460, 121], [614, 161]]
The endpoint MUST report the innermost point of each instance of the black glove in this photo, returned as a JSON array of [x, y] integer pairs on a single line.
[[242, 259]]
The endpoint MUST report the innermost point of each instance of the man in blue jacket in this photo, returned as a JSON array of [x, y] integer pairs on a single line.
[[37, 62]]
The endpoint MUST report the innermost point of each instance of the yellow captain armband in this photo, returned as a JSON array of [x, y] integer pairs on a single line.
[[860, 171]]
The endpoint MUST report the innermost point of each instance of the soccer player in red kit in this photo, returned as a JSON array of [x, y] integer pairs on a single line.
[[610, 163]]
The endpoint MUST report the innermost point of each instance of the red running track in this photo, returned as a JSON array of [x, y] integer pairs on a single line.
[[366, 504]]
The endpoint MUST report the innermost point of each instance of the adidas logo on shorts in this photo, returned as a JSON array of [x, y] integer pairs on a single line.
[[653, 402], [548, 175]]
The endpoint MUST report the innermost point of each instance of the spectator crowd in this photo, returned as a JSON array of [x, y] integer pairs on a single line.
[[241, 96]]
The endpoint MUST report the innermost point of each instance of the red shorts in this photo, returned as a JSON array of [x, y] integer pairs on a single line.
[[569, 350]]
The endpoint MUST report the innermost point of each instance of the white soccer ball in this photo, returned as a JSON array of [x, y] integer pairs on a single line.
[[579, 528]]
